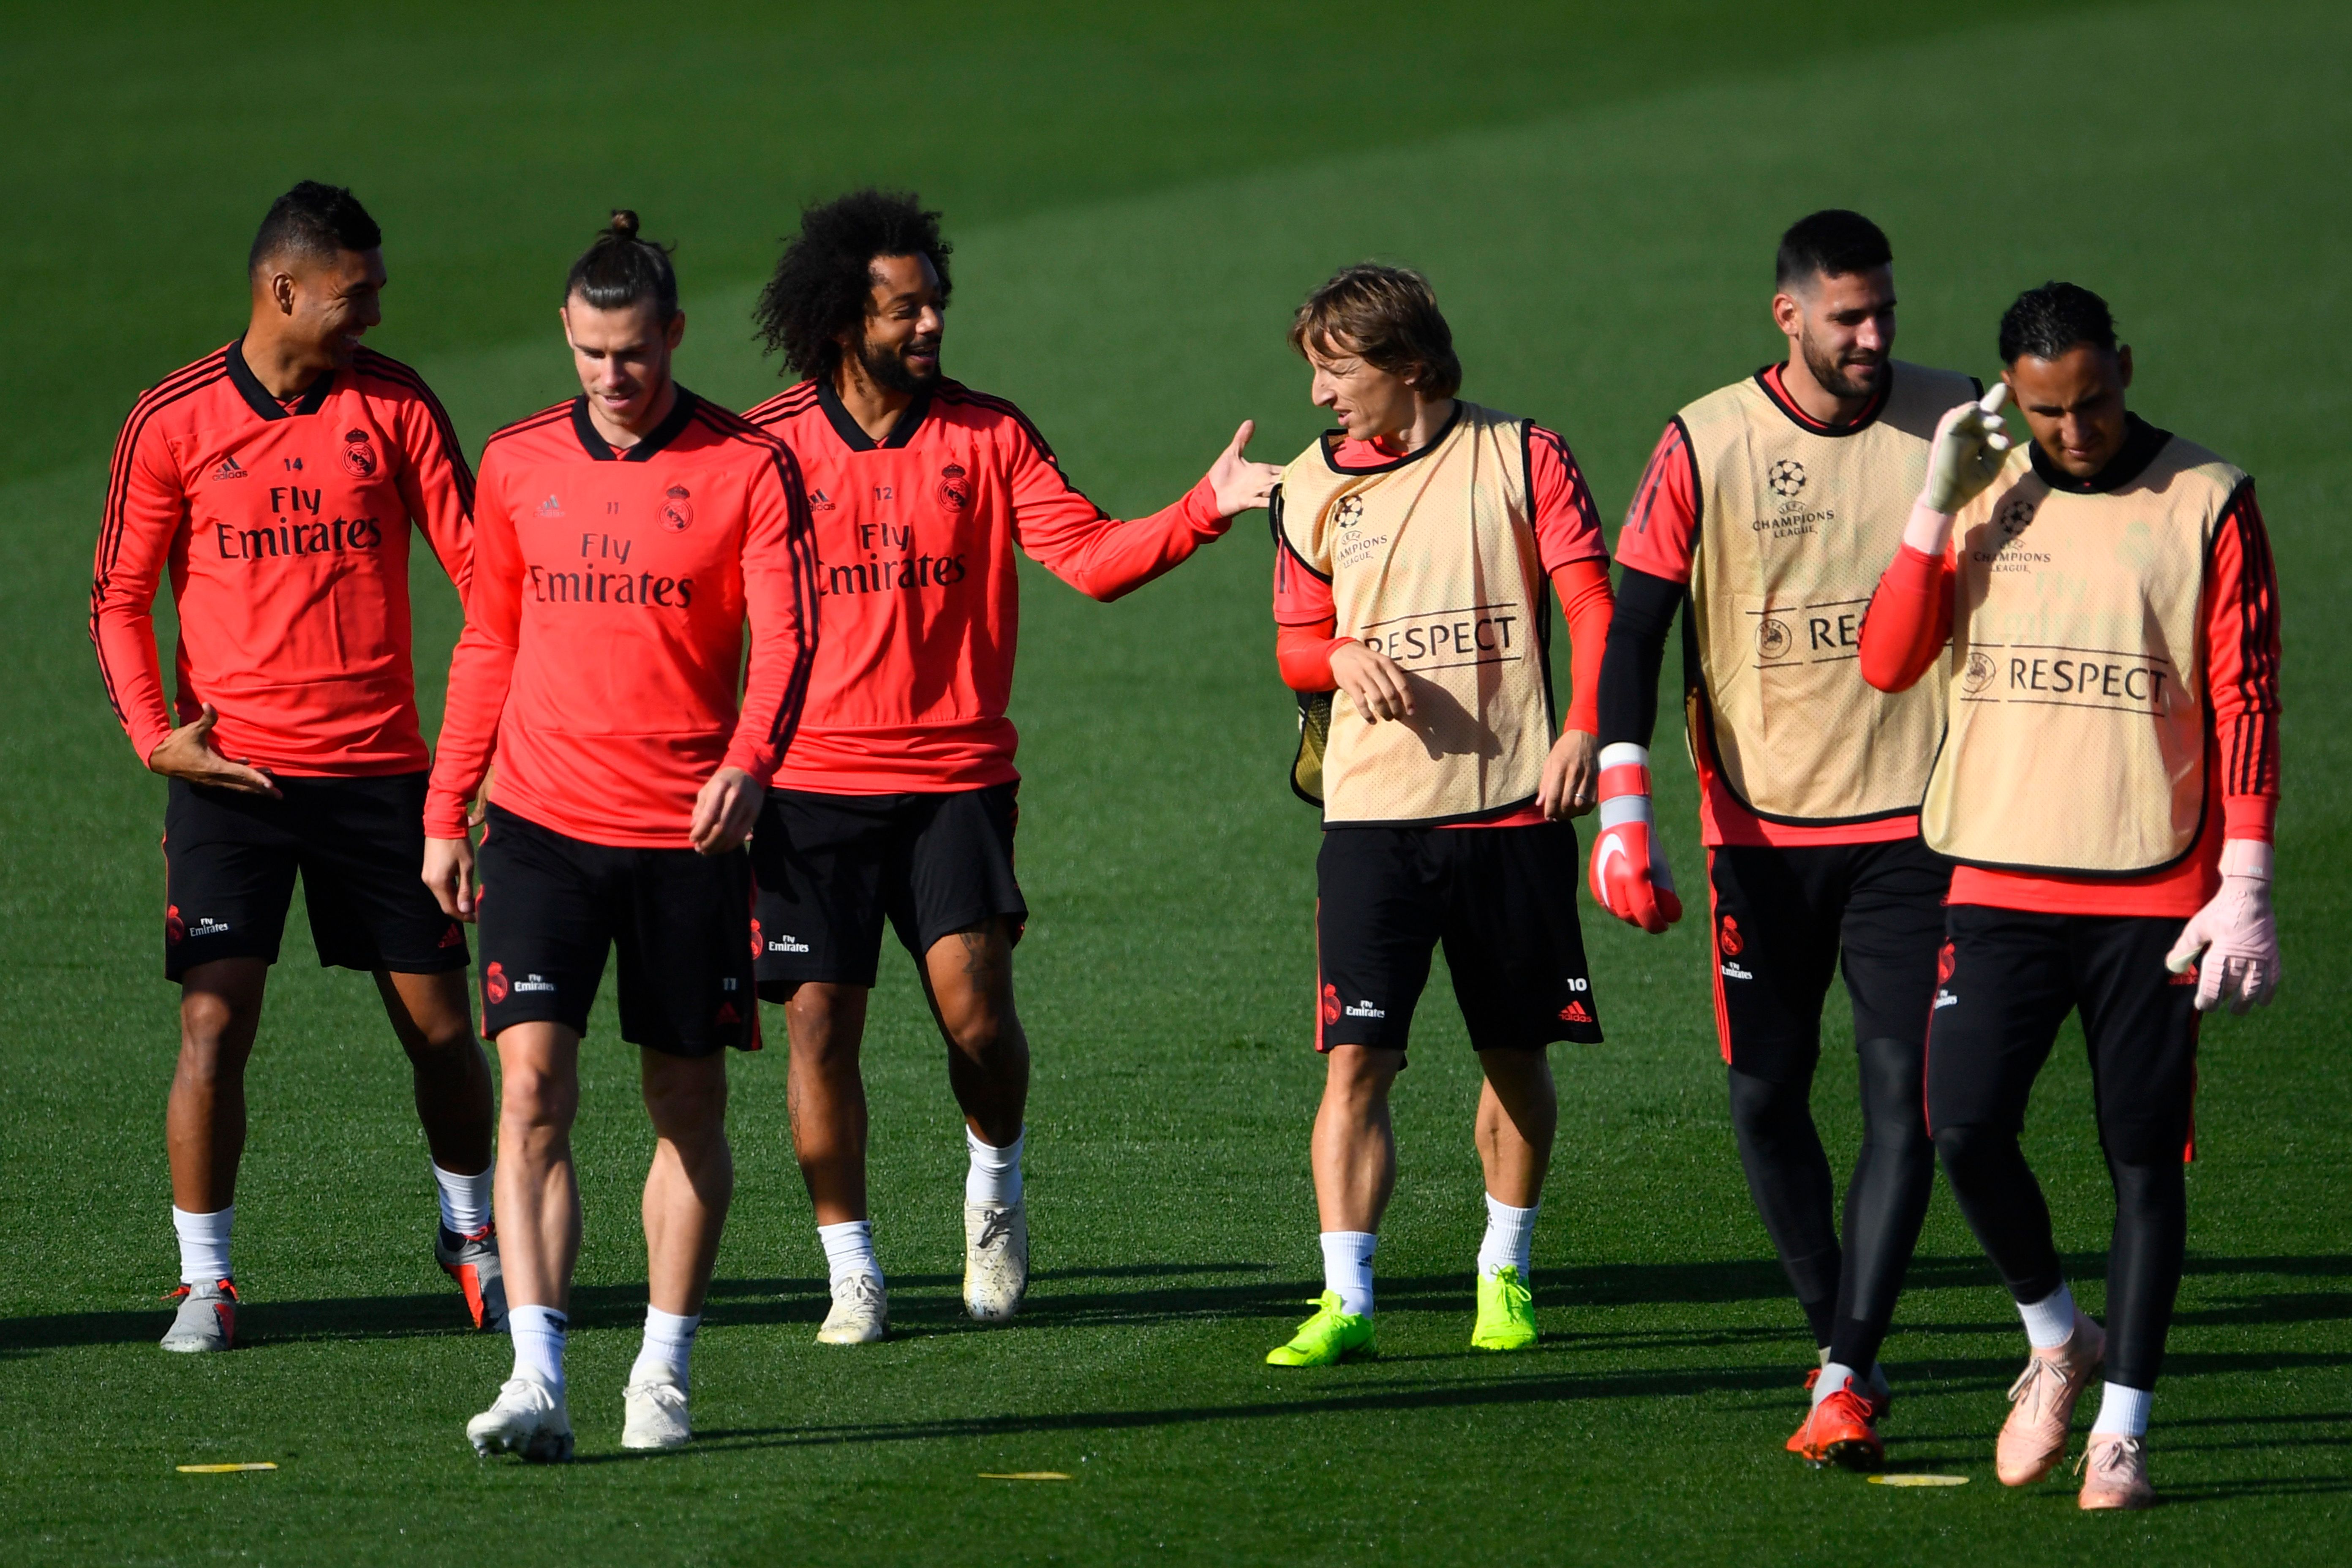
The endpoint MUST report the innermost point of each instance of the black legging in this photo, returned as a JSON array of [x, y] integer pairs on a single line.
[[2004, 1206], [1848, 1295]]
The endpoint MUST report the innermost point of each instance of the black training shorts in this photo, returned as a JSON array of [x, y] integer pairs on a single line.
[[230, 860], [832, 867], [551, 905], [2008, 979], [1502, 899], [1784, 917]]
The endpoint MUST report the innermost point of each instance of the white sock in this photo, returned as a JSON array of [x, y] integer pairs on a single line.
[[669, 1341], [848, 1249], [203, 1245], [1834, 1376], [1348, 1268], [465, 1200], [1510, 1237], [2122, 1412], [995, 1173], [538, 1334], [2049, 1322]]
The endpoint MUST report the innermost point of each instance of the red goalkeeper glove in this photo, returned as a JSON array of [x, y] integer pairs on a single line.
[[1630, 878]]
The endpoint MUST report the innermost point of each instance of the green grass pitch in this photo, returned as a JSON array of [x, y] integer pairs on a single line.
[[1137, 200]]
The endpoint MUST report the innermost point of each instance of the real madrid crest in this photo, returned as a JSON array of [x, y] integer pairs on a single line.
[[359, 456], [677, 512], [955, 487]]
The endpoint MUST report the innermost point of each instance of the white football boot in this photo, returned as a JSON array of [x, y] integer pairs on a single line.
[[655, 1416], [526, 1419], [995, 1259], [860, 1314]]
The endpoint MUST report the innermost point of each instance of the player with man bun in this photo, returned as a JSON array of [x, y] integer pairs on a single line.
[[626, 537], [2108, 791], [1765, 516], [274, 481], [1414, 548], [897, 802]]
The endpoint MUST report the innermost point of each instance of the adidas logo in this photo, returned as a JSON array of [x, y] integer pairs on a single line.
[[551, 506], [1576, 1013], [229, 470], [819, 501]]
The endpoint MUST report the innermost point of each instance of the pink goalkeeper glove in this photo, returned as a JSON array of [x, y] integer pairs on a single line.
[[1629, 875], [2236, 932]]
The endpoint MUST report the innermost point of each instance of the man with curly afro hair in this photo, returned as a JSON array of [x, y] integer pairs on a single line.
[[897, 796]]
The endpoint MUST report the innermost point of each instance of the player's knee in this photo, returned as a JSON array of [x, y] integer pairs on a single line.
[[534, 1101], [985, 1033], [2155, 1189], [1766, 1109], [1971, 1150], [687, 1100]]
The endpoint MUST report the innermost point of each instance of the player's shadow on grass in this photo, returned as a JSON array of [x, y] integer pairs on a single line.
[[1148, 1293]]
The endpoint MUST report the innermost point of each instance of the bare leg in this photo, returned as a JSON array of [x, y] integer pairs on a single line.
[[537, 1191], [1355, 1144], [969, 978], [204, 1123], [431, 1015], [692, 1179], [1518, 1111], [827, 1096]]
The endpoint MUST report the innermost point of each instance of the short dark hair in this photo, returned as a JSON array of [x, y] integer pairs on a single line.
[[618, 270], [1387, 316], [313, 220], [823, 286], [1832, 243], [2047, 322]]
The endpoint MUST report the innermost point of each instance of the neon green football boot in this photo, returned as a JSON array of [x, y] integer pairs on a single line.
[[1325, 1337], [1506, 1313]]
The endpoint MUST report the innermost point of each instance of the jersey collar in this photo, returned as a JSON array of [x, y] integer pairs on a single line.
[[2142, 442], [1769, 378], [1331, 447], [593, 442], [257, 396], [853, 434]]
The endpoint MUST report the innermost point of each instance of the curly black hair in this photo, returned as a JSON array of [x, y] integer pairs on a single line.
[[822, 287]]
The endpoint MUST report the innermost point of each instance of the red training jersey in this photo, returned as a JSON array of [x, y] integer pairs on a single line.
[[604, 632], [284, 527], [1661, 537], [915, 536], [1569, 549], [1910, 620]]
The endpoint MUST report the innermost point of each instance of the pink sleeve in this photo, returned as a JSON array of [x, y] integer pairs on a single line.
[[1909, 620], [144, 506], [1566, 523], [1098, 554], [1661, 531], [2241, 667], [779, 600], [482, 666], [437, 486]]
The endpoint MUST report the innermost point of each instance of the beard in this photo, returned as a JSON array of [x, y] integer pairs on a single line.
[[886, 366], [1855, 379]]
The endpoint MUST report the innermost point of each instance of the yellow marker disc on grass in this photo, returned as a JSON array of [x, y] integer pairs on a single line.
[[1026, 1476], [1907, 1480], [224, 1469]]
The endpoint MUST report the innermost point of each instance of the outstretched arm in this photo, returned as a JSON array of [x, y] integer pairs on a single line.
[[1104, 558]]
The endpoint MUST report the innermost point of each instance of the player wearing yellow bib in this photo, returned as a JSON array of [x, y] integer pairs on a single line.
[[1767, 511], [2108, 789], [1414, 549]]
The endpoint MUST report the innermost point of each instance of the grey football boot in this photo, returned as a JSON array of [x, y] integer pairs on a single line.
[[207, 1320], [472, 1260]]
